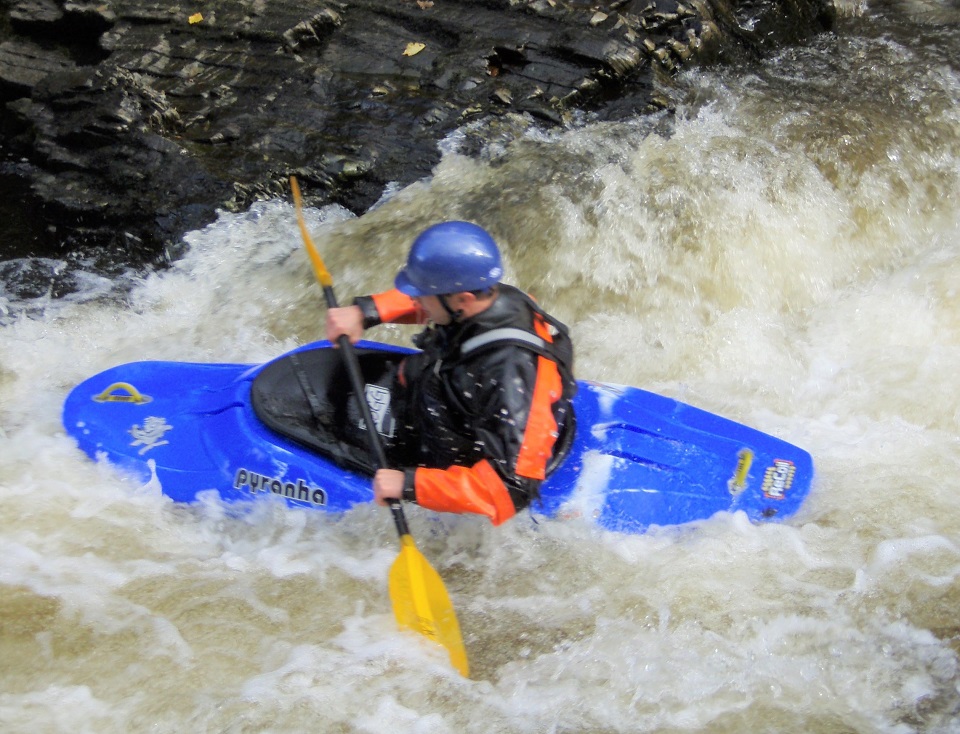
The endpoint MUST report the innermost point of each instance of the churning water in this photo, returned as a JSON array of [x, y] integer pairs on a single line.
[[785, 252]]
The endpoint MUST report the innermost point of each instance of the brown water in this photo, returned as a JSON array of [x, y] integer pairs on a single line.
[[788, 257]]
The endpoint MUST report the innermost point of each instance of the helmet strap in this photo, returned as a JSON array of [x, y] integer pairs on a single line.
[[454, 315]]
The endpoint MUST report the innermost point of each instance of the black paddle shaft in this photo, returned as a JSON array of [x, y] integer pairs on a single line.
[[356, 381]]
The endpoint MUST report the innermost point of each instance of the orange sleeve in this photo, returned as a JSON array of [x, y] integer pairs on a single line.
[[476, 489], [395, 307]]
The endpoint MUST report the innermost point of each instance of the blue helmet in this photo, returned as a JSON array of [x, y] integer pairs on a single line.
[[450, 257]]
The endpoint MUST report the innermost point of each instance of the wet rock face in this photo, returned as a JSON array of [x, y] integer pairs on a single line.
[[128, 122]]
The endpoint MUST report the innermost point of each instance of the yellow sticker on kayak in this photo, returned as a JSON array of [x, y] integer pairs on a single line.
[[738, 482]]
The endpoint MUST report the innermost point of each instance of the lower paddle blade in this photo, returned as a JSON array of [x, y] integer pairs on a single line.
[[421, 603]]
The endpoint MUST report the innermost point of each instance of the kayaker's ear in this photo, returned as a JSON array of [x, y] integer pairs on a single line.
[[459, 300], [470, 303]]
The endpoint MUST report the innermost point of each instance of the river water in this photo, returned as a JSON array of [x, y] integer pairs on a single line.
[[784, 252]]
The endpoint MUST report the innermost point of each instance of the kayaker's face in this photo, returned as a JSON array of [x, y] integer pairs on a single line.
[[433, 309]]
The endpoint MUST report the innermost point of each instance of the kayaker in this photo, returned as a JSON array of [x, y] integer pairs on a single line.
[[484, 408]]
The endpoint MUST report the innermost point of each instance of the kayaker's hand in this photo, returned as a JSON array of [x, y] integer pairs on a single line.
[[346, 320], [387, 484]]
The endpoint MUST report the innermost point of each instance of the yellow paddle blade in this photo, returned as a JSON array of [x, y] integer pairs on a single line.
[[421, 602], [323, 275]]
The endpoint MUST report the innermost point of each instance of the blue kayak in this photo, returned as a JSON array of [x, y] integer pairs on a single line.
[[636, 459]]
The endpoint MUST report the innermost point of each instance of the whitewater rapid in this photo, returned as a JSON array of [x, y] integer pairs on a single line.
[[783, 252]]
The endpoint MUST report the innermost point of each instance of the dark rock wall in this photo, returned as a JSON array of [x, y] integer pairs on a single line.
[[128, 122]]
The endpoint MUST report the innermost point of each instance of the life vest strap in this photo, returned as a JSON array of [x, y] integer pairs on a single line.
[[505, 334]]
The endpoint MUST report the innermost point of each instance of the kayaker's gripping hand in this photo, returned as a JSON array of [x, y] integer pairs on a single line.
[[387, 485], [345, 320]]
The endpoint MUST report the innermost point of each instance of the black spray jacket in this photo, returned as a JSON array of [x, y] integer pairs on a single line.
[[480, 408]]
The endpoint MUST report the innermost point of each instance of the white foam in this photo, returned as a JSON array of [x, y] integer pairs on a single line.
[[785, 258]]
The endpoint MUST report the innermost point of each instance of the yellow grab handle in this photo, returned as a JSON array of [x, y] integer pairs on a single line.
[[132, 395]]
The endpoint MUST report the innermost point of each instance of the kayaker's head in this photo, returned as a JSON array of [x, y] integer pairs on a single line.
[[453, 270]]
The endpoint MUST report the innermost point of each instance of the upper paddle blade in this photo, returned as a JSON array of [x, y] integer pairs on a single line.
[[319, 268], [421, 602]]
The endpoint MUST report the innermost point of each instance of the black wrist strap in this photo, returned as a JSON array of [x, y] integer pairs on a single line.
[[409, 485], [371, 317]]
